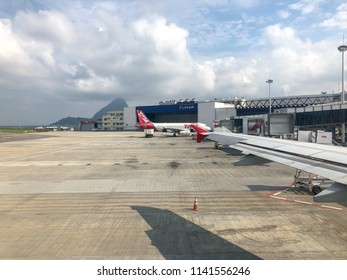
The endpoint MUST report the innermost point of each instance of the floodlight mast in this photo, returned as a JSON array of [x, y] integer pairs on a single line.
[[269, 81], [342, 49]]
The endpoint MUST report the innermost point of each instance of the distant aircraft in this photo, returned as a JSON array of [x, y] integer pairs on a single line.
[[179, 128], [327, 161]]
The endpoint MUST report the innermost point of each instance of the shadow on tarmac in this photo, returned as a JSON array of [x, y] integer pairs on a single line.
[[179, 239], [257, 188]]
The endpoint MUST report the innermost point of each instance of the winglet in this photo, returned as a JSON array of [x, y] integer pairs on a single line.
[[201, 133]]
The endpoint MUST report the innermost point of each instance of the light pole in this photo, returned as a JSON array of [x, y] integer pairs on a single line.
[[342, 49], [269, 82]]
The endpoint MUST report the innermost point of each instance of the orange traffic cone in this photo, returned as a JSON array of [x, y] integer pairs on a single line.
[[196, 206]]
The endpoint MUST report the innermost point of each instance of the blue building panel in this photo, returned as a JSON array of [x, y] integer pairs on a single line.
[[170, 108], [177, 112]]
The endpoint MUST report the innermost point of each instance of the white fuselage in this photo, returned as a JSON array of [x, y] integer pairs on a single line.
[[177, 126]]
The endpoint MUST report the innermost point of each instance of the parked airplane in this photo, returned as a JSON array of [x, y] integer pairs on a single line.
[[327, 161], [179, 128]]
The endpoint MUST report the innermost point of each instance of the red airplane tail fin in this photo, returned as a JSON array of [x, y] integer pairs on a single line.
[[142, 117], [201, 133], [143, 120]]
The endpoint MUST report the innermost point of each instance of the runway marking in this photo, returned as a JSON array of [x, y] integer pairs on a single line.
[[331, 207], [303, 202], [274, 195], [281, 198]]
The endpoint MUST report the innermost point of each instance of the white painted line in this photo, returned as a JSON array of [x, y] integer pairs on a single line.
[[274, 196], [279, 198], [303, 202], [277, 193], [331, 207]]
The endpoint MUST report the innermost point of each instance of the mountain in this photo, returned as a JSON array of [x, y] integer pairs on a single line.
[[69, 121], [117, 104]]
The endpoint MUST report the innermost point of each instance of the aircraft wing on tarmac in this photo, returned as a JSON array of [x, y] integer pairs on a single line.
[[327, 161]]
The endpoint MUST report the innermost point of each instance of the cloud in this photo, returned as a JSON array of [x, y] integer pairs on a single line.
[[25, 65], [284, 14], [49, 58], [338, 20], [306, 6], [49, 26], [165, 40], [288, 49], [302, 63], [73, 60], [247, 3]]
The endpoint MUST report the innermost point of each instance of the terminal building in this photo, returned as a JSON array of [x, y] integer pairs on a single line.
[[321, 111], [187, 111]]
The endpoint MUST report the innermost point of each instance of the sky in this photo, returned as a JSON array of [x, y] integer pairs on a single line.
[[71, 58]]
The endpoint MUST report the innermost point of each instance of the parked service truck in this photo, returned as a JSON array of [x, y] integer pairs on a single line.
[[149, 132]]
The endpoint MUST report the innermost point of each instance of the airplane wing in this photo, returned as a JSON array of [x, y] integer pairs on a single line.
[[327, 161]]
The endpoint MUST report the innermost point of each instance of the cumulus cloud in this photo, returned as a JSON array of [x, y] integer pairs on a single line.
[[49, 26], [304, 64], [55, 64], [288, 49], [49, 55]]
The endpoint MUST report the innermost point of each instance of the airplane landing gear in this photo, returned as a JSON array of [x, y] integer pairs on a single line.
[[218, 145], [311, 182], [316, 189]]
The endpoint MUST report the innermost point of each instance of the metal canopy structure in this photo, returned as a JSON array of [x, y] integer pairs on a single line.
[[290, 101]]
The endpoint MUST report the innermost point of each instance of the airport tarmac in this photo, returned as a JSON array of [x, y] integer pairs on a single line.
[[119, 195]]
